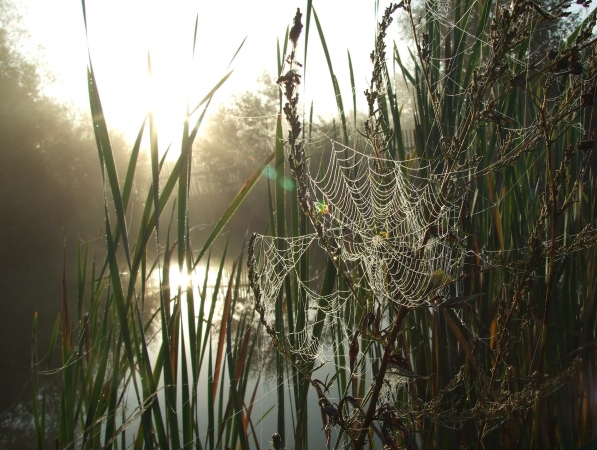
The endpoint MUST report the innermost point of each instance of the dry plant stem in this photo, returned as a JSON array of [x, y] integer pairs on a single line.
[[550, 273], [376, 388], [436, 109], [376, 94], [498, 360], [546, 131], [297, 160]]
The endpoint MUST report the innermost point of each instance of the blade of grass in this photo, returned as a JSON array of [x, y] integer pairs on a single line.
[[333, 77], [38, 419], [106, 156], [233, 388], [234, 204], [222, 336]]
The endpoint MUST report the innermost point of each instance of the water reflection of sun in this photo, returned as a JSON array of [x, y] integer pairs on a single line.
[[180, 278], [202, 280]]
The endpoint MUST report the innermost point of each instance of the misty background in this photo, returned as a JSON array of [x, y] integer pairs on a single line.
[[51, 197]]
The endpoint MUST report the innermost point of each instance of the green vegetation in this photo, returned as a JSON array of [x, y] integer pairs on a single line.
[[441, 296], [459, 289], [50, 191]]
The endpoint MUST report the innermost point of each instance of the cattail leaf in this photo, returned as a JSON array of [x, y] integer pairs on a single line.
[[234, 204]]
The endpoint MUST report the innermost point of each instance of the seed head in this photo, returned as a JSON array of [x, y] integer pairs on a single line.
[[296, 29]]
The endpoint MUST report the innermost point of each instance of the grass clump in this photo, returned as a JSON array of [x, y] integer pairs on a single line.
[[457, 276], [137, 358], [441, 296]]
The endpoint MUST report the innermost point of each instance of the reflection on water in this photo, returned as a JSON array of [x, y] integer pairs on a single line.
[[209, 288], [262, 374], [16, 427]]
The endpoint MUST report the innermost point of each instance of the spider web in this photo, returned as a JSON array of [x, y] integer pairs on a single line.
[[396, 227], [397, 236]]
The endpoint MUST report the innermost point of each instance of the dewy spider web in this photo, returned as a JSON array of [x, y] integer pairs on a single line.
[[396, 232]]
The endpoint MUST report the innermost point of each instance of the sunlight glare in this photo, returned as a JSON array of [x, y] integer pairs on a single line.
[[179, 279], [122, 34]]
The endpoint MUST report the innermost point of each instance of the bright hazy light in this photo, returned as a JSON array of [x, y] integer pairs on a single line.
[[179, 279], [122, 34]]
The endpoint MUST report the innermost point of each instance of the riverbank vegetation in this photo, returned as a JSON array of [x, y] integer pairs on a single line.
[[440, 294]]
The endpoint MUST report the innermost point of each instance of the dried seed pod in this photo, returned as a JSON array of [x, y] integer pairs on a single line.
[[576, 68], [296, 29], [367, 321], [586, 145]]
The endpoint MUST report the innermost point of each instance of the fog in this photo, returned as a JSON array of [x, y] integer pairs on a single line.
[[52, 203]]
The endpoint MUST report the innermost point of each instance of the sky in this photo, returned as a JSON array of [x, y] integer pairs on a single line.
[[121, 34]]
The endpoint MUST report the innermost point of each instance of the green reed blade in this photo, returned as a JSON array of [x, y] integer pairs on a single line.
[[187, 416], [200, 320], [279, 66], [81, 276], [234, 394], [279, 190], [174, 332], [183, 208], [396, 143], [329, 282], [234, 204], [119, 298], [460, 41], [210, 405], [98, 384], [152, 408], [582, 26], [354, 91], [270, 203], [241, 357], [54, 339], [169, 354], [405, 72], [38, 418], [249, 409], [130, 174], [191, 318], [211, 93], [91, 354], [212, 307], [237, 50], [307, 28], [280, 231], [106, 156], [113, 395], [222, 336], [475, 54], [153, 146], [333, 77]]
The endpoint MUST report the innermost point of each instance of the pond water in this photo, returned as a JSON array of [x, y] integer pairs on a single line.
[[16, 425], [262, 376]]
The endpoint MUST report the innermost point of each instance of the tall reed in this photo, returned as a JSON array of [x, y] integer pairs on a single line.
[[123, 382], [492, 350]]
